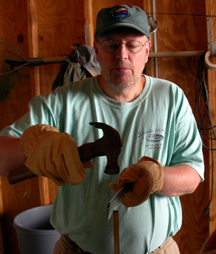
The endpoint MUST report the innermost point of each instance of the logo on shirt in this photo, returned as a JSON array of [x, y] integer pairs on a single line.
[[153, 138]]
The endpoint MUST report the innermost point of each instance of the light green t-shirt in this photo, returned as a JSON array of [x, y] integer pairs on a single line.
[[158, 124]]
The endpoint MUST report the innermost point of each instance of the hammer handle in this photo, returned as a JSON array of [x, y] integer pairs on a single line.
[[116, 232], [20, 174], [86, 153]]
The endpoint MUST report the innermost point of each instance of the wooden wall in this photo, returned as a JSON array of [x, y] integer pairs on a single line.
[[49, 28], [211, 10]]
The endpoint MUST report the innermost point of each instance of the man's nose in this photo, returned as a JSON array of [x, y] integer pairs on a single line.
[[122, 52]]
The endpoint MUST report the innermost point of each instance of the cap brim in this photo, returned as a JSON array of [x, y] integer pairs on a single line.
[[93, 73], [117, 25]]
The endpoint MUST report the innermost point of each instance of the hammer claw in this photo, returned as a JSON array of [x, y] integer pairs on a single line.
[[110, 145]]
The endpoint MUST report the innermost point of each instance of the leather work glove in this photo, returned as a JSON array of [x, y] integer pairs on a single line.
[[146, 177], [53, 154]]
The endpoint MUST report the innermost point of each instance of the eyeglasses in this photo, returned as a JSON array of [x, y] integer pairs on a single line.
[[112, 45]]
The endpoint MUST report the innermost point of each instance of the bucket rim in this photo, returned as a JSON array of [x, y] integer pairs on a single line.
[[22, 229]]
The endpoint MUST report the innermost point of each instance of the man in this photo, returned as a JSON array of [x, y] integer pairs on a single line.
[[161, 156]]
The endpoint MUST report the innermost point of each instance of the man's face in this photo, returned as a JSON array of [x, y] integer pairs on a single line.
[[122, 68]]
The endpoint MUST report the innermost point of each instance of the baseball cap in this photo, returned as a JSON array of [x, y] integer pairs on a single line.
[[121, 16]]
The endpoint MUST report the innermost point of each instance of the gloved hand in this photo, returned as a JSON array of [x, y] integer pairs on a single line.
[[145, 177], [53, 154]]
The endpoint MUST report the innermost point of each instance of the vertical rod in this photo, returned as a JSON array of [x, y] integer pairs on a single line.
[[116, 232], [155, 41]]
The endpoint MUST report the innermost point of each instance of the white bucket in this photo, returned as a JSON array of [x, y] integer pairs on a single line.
[[35, 233]]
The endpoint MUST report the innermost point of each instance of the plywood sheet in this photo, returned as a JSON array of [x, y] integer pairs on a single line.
[[60, 25]]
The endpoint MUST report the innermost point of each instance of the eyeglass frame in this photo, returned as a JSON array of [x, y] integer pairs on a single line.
[[119, 43]]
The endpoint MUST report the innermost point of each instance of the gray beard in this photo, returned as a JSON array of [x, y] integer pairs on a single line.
[[118, 83]]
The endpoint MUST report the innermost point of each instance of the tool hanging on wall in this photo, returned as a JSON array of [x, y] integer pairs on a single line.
[[12, 61]]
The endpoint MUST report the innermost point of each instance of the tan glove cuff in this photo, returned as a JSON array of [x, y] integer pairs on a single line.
[[156, 170]]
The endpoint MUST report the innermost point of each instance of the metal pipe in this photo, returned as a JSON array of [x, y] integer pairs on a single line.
[[155, 41], [175, 54]]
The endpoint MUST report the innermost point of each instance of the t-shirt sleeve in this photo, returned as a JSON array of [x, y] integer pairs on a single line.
[[187, 140]]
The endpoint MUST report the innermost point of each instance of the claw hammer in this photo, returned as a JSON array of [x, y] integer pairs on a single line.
[[109, 145]]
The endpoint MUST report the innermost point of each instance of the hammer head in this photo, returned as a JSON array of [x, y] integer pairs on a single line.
[[109, 145]]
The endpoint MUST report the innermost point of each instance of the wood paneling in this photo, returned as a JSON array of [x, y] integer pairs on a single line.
[[60, 25], [39, 29], [15, 199], [211, 10], [44, 28]]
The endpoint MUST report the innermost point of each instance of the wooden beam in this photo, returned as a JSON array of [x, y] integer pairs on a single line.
[[150, 66], [89, 29], [32, 16], [210, 10], [43, 183]]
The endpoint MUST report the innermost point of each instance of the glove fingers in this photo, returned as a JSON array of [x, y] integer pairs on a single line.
[[131, 174], [46, 166], [70, 167], [115, 187], [30, 137], [139, 193], [141, 179], [55, 155]]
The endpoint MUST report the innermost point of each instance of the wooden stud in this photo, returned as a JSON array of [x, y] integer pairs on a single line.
[[32, 15], [88, 15]]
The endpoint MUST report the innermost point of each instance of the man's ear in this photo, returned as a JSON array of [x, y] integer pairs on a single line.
[[148, 48]]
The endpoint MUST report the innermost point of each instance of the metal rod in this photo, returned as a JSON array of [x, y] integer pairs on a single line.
[[155, 41], [176, 54], [116, 232]]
